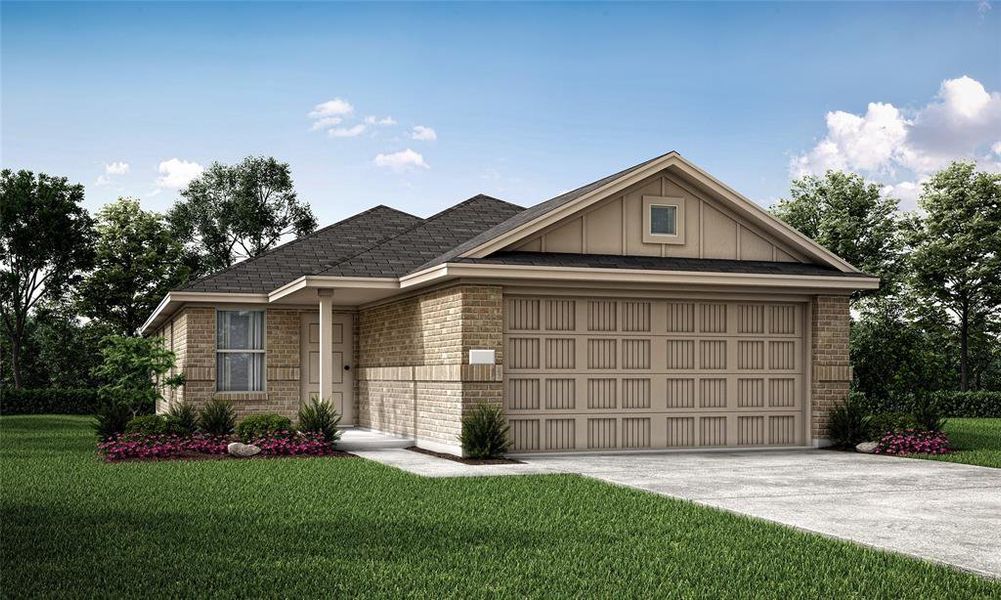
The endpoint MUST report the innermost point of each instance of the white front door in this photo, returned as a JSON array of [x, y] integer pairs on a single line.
[[342, 394]]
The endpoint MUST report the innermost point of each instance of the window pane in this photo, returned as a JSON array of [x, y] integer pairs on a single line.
[[240, 330], [240, 371], [663, 220]]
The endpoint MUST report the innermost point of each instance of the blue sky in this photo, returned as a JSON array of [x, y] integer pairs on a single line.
[[525, 100]]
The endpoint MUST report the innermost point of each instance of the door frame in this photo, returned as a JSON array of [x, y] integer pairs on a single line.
[[347, 408]]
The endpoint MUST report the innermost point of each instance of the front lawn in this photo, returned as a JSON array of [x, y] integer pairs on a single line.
[[73, 526], [977, 441]]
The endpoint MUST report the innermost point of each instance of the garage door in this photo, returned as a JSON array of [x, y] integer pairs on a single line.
[[611, 373]]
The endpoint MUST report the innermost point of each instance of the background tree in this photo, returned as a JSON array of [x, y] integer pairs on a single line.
[[46, 239], [138, 259], [956, 262], [240, 211], [848, 216]]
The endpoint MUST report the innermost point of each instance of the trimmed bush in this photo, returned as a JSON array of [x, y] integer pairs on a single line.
[[217, 417], [485, 432], [155, 425], [317, 416], [184, 417], [61, 401], [881, 424], [256, 427], [111, 419], [847, 422], [972, 405]]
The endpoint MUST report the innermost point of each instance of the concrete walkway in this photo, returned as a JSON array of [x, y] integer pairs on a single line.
[[939, 511], [433, 466]]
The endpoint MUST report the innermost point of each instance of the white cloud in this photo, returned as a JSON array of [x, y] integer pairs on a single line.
[[898, 146], [326, 123], [337, 107], [426, 134], [176, 173], [996, 148], [402, 160], [116, 168], [383, 121], [347, 131]]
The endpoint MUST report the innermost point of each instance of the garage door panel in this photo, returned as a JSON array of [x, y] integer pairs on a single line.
[[595, 373]]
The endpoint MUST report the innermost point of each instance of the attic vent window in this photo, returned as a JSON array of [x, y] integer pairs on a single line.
[[663, 220]]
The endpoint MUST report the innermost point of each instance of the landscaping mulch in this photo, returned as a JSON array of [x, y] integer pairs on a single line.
[[467, 461]]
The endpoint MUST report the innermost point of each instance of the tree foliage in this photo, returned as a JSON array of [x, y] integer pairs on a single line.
[[46, 239], [240, 211], [848, 216], [138, 259], [130, 368], [956, 262]]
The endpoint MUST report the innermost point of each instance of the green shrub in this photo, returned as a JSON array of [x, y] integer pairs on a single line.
[[62, 401], [972, 405], [880, 424], [846, 424], [130, 367], [317, 416], [147, 425], [111, 419], [485, 432], [258, 426], [217, 417], [184, 417], [926, 412]]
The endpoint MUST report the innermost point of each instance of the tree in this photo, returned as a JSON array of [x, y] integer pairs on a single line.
[[849, 217], [46, 239], [956, 261], [137, 261], [131, 369], [240, 211]]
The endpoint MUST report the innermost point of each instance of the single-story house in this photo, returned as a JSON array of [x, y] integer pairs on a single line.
[[654, 308]]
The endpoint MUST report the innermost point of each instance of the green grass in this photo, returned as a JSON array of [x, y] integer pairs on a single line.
[[978, 442], [73, 526]]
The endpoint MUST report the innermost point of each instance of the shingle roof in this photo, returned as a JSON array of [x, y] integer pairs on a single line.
[[309, 254], [531, 213], [654, 263], [410, 249]]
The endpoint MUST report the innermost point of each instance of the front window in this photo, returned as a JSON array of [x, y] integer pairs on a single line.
[[663, 219], [240, 350]]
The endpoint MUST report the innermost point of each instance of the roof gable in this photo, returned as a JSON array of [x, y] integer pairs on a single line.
[[308, 254], [765, 229]]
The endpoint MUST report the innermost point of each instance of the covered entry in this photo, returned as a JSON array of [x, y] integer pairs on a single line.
[[592, 373]]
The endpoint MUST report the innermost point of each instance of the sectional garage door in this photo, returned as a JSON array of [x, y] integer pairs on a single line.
[[612, 373]]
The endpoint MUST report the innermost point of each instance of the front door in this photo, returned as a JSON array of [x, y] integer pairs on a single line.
[[342, 395]]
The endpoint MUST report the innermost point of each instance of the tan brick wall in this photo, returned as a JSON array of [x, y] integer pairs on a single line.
[[194, 342], [831, 370], [414, 376]]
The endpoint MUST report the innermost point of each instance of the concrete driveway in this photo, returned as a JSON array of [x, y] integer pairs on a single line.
[[938, 511]]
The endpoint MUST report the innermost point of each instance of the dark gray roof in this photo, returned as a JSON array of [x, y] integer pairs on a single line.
[[654, 263], [532, 213], [309, 254], [437, 234]]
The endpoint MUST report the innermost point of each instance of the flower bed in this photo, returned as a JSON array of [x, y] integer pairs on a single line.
[[137, 446], [913, 441]]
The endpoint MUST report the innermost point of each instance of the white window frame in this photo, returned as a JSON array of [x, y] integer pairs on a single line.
[[263, 350], [649, 237]]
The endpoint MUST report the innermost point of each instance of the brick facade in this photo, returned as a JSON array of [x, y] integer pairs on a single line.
[[413, 377], [831, 369]]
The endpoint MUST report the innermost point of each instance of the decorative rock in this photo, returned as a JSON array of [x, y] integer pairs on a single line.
[[242, 450], [867, 447]]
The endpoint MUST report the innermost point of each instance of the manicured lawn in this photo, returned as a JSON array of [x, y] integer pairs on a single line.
[[978, 442], [73, 526]]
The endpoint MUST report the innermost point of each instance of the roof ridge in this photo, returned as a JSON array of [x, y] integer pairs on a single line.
[[291, 242]]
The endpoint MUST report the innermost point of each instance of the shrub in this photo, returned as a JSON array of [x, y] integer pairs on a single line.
[[184, 417], [131, 366], [485, 432], [847, 425], [147, 425], [317, 416], [64, 401], [879, 424], [217, 417], [294, 444], [141, 446], [913, 441], [975, 405], [258, 426], [926, 413], [111, 419]]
